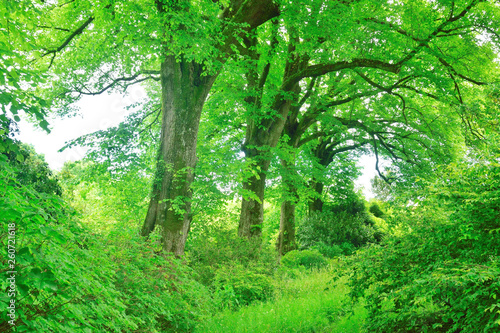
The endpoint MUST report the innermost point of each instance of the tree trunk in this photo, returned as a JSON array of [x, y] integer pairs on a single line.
[[293, 130], [286, 238], [252, 209], [261, 137], [261, 140], [184, 92], [316, 205]]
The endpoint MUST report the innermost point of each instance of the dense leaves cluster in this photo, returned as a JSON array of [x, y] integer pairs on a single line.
[[339, 228], [305, 258], [32, 170], [69, 279], [443, 273]]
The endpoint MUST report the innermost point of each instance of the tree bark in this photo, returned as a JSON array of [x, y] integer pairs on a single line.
[[183, 94], [316, 205], [286, 238], [252, 209], [325, 152], [260, 140]]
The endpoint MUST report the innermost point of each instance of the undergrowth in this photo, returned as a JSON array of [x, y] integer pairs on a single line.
[[304, 301]]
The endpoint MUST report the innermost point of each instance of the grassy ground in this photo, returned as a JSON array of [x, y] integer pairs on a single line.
[[305, 301]]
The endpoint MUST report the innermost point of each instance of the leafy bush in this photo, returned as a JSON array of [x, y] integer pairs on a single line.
[[31, 169], [348, 222], [104, 199], [237, 270], [237, 286], [329, 251], [306, 258], [443, 273], [307, 302], [376, 210], [71, 280], [410, 286]]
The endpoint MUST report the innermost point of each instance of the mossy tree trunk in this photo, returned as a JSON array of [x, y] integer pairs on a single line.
[[286, 238], [263, 133], [183, 95]]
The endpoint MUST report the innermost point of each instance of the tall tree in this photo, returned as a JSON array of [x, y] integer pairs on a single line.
[[414, 46], [95, 47], [372, 117]]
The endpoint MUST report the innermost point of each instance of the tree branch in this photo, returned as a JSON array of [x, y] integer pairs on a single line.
[[322, 69], [133, 79], [75, 33], [453, 70], [375, 150], [425, 42]]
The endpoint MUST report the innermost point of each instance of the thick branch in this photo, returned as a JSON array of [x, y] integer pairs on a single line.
[[453, 70], [322, 69]]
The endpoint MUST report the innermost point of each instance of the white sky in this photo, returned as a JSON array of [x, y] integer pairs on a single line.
[[103, 111], [97, 113], [363, 182]]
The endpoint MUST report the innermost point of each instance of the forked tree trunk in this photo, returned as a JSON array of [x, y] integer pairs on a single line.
[[252, 209], [183, 95], [325, 153], [261, 137]]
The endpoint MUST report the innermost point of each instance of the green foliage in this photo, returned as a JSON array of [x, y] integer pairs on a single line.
[[17, 80], [307, 302], [104, 199], [69, 279], [443, 273], [412, 105], [329, 251], [32, 170], [305, 258], [237, 270], [376, 210], [237, 286], [381, 189], [338, 225]]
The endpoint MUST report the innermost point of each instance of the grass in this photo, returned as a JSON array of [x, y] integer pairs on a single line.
[[305, 301]]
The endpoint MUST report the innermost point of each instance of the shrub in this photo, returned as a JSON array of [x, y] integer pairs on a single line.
[[238, 271], [222, 247], [306, 258], [71, 280], [31, 169], [376, 210], [347, 248], [237, 286], [348, 222], [329, 251], [443, 273]]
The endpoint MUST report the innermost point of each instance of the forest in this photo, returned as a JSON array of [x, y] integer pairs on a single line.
[[226, 199]]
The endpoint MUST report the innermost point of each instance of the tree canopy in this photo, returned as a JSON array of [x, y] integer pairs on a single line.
[[232, 180]]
